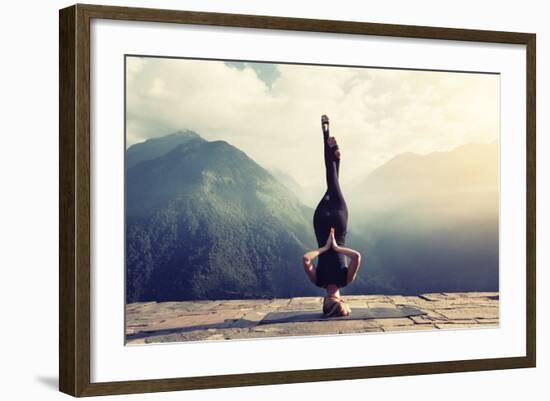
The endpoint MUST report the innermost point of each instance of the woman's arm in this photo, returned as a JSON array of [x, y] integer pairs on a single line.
[[355, 257], [307, 260], [351, 253], [308, 257]]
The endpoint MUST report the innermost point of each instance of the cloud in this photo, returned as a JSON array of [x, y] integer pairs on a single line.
[[267, 72], [375, 113]]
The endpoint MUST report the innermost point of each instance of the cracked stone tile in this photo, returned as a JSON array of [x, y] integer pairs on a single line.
[[462, 302], [471, 294], [217, 336], [398, 299], [278, 302], [184, 306], [416, 302], [200, 322], [250, 319], [301, 304], [355, 303], [415, 327], [433, 315], [243, 304], [141, 306], [390, 322], [469, 313], [367, 298], [457, 325], [436, 296], [381, 305], [136, 341], [488, 321], [306, 300], [422, 319]]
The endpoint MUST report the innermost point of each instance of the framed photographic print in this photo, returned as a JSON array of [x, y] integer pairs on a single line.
[[246, 193]]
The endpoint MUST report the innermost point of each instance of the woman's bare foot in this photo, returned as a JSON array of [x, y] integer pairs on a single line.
[[324, 123], [332, 143]]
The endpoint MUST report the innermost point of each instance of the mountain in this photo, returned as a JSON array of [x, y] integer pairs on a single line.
[[156, 147], [204, 221], [288, 181], [430, 223], [457, 184]]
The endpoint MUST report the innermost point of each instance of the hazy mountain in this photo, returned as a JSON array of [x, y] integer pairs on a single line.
[[288, 181], [459, 184], [430, 222], [204, 221], [156, 147]]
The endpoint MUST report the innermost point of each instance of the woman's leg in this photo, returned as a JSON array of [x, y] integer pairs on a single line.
[[336, 202], [332, 209], [330, 152], [332, 167], [333, 184]]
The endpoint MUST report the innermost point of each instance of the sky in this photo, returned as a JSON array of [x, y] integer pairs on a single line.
[[272, 111]]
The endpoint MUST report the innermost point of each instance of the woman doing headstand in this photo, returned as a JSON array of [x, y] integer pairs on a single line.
[[330, 222]]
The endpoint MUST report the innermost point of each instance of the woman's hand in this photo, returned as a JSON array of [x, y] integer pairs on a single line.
[[332, 239], [328, 244]]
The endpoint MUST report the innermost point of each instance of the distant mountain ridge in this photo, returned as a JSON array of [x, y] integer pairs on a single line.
[[156, 147], [454, 183], [473, 160]]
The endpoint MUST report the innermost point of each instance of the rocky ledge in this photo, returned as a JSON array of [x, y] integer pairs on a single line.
[[152, 322]]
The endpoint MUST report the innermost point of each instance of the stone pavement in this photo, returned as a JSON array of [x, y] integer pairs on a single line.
[[152, 322]]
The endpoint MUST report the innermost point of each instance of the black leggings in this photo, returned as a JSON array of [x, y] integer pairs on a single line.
[[331, 211]]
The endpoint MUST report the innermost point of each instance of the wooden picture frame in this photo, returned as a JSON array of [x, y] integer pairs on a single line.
[[75, 208]]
